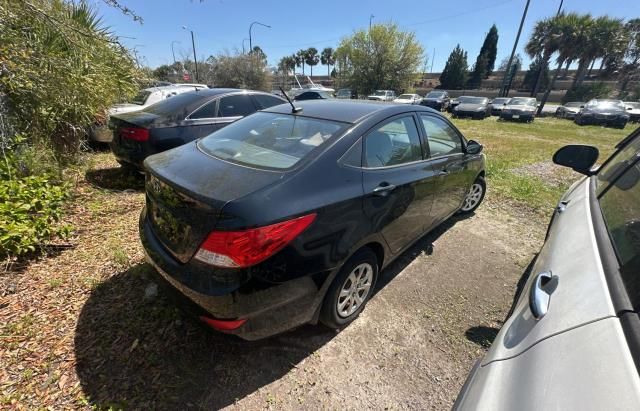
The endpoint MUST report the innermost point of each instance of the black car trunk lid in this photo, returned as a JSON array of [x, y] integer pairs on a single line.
[[186, 190]]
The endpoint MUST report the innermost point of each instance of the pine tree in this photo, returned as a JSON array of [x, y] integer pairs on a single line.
[[479, 71], [454, 75], [489, 49], [532, 74]]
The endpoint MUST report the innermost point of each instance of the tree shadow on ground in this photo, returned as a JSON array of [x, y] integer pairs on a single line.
[[137, 352], [119, 178], [481, 335]]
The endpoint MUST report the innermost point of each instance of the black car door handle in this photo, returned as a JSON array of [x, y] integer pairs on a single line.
[[443, 173], [383, 189]]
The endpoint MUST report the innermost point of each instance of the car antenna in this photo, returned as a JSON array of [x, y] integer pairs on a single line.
[[294, 109]]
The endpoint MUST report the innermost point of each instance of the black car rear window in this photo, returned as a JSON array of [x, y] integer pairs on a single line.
[[270, 140], [175, 104]]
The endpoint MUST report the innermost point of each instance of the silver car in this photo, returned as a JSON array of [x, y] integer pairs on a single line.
[[572, 340]]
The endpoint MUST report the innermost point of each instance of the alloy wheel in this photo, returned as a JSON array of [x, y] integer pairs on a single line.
[[355, 290], [473, 197]]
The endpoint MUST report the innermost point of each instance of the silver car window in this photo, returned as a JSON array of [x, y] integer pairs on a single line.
[[616, 165]]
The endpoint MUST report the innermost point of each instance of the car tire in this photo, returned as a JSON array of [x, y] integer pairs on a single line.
[[361, 270], [474, 196]]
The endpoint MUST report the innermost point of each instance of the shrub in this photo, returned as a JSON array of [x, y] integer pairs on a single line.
[[586, 92]]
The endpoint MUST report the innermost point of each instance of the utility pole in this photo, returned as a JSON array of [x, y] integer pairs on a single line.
[[433, 58], [250, 27], [243, 40], [193, 44], [534, 91], [370, 18], [504, 91]]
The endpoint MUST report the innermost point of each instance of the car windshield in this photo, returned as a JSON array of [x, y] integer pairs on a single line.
[[472, 100], [344, 92], [435, 94], [141, 97], [614, 104], [522, 102], [633, 105], [380, 93], [269, 140], [499, 100], [405, 96], [574, 104], [174, 105], [617, 164]]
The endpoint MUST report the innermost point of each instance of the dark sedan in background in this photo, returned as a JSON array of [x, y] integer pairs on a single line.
[[181, 119], [569, 110], [313, 95], [603, 112], [474, 107], [437, 100], [520, 109], [286, 217], [497, 104]]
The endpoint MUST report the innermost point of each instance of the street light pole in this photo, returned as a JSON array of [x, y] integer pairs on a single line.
[[193, 44], [173, 52], [250, 27], [243, 40], [370, 18], [504, 91]]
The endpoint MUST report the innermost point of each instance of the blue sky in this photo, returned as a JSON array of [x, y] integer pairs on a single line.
[[221, 25]]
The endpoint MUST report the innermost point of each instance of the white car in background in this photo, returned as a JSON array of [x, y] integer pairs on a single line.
[[408, 99], [143, 99], [383, 95]]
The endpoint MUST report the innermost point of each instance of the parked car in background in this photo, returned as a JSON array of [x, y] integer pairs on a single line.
[[347, 93], [437, 100], [603, 112], [454, 102], [383, 95], [102, 134], [569, 110], [572, 339], [497, 104], [474, 107], [313, 95], [633, 110], [520, 109], [233, 224], [408, 99], [181, 119]]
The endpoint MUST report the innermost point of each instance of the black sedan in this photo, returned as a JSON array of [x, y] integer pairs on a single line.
[[313, 95], [437, 100], [569, 110], [474, 107], [520, 109], [603, 112], [181, 119], [287, 216]]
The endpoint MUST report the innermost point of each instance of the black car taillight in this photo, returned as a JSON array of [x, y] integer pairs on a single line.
[[135, 133]]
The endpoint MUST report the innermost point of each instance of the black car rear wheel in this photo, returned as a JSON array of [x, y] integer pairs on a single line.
[[474, 196], [350, 290]]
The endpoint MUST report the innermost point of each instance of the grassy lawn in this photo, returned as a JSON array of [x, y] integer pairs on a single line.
[[519, 166]]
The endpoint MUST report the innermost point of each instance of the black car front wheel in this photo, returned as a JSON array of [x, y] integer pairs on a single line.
[[474, 196], [350, 290]]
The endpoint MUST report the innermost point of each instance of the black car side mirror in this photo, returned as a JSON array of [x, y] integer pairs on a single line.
[[473, 147], [579, 158], [629, 108], [581, 106], [504, 104]]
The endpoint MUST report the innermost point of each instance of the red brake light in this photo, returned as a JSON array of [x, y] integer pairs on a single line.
[[222, 325], [135, 133], [236, 249]]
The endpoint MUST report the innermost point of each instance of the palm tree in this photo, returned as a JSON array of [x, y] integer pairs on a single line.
[[286, 64], [312, 58], [300, 59], [543, 42], [327, 58]]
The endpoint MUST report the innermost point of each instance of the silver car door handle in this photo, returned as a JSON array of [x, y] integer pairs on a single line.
[[539, 298], [383, 189]]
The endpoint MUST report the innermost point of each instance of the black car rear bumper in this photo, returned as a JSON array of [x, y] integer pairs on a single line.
[[474, 114], [267, 308], [130, 153]]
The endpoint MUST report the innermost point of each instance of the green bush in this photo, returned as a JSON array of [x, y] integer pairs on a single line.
[[30, 209], [586, 92]]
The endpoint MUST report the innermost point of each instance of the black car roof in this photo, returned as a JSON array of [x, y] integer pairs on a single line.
[[346, 111]]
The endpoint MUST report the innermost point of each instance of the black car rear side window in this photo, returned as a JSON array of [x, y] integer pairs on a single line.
[[394, 143], [234, 106], [442, 138], [206, 111], [175, 105], [620, 206], [265, 101]]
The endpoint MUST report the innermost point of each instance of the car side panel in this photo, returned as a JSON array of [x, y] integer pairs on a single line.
[[586, 368]]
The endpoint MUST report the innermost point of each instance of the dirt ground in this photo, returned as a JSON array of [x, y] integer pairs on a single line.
[[85, 328]]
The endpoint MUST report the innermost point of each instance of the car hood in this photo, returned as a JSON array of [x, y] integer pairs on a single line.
[[603, 110], [376, 97], [522, 107], [634, 111], [470, 106], [572, 109], [438, 99]]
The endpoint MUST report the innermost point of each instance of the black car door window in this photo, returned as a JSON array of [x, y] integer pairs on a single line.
[[235, 106], [620, 206], [396, 142], [265, 101], [441, 137], [206, 111]]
